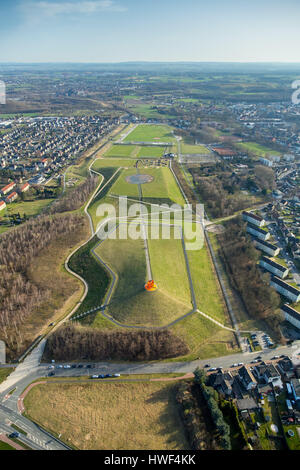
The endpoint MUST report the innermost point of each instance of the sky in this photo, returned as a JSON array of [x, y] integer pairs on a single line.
[[149, 30]]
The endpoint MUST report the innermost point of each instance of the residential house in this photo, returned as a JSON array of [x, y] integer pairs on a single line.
[[273, 267], [258, 232], [267, 373], [7, 188], [253, 219], [267, 247], [291, 315], [2, 205], [11, 198], [247, 378], [283, 288]]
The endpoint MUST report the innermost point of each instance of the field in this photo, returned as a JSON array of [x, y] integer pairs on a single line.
[[190, 149], [151, 133], [121, 151], [110, 416], [150, 152], [259, 150]]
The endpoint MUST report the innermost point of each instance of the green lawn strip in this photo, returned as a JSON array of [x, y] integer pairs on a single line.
[[118, 150], [194, 149], [5, 372], [207, 291], [204, 338], [5, 446], [101, 163], [169, 268], [85, 264]]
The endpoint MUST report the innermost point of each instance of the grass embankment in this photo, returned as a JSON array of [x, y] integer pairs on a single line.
[[114, 416], [130, 303], [84, 263], [5, 372]]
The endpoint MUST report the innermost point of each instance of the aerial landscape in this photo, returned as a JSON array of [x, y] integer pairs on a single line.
[[149, 229]]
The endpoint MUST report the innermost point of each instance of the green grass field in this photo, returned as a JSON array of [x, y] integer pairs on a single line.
[[259, 150], [151, 133], [194, 149], [163, 188], [112, 163], [150, 152], [121, 151]]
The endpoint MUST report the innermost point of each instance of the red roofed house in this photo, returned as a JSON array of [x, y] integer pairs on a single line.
[[12, 197], [8, 188], [24, 188], [2, 205]]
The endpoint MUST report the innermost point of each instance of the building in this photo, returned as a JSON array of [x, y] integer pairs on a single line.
[[267, 247], [253, 219], [247, 378], [273, 267], [7, 188], [283, 288], [258, 232], [2, 205], [291, 315], [268, 373], [12, 197], [295, 385], [266, 161], [25, 187]]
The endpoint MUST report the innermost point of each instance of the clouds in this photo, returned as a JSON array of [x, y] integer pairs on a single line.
[[40, 9]]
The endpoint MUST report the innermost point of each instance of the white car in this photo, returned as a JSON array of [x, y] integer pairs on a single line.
[[67, 367]]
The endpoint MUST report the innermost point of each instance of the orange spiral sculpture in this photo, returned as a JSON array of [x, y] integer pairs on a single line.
[[150, 286]]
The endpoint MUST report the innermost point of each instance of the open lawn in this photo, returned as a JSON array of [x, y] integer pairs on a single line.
[[194, 149], [148, 152], [204, 338], [110, 416], [259, 150], [121, 151], [163, 188], [151, 133], [112, 163]]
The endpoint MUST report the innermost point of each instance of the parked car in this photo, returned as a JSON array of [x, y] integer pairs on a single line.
[[117, 375], [212, 369], [94, 376], [14, 435]]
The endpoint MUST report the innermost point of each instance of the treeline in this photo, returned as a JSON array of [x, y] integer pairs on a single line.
[[240, 258], [211, 399], [218, 198], [18, 249], [73, 343], [197, 432], [76, 198]]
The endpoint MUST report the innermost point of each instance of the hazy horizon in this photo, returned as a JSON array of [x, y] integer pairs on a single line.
[[126, 31]]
